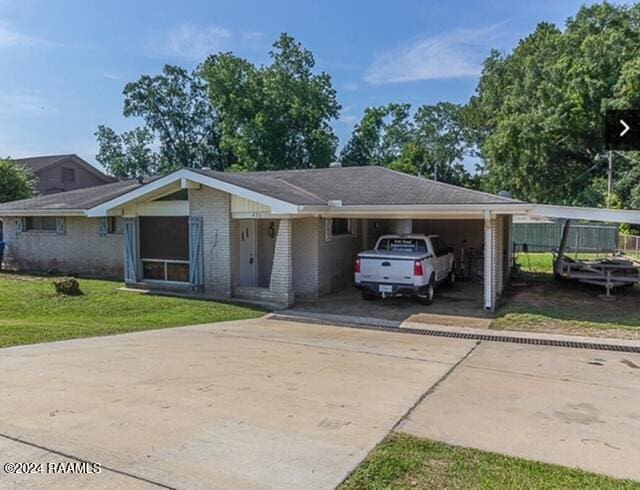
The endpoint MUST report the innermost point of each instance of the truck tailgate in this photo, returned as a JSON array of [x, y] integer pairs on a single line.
[[396, 270]]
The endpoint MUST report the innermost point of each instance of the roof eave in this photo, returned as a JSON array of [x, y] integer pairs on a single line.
[[415, 210], [42, 212]]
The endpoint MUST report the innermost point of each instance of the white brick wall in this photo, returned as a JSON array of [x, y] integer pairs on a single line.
[[220, 249], [281, 284], [81, 251], [307, 233], [320, 266]]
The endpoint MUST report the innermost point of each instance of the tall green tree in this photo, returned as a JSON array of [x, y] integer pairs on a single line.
[[276, 116], [431, 143], [16, 181], [538, 111], [380, 136], [179, 119], [128, 154]]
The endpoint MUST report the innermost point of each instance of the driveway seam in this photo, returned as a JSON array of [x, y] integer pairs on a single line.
[[544, 377], [315, 346], [81, 460], [406, 414]]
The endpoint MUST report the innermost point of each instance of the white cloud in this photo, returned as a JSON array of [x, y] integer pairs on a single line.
[[111, 75], [348, 119], [10, 38], [188, 41], [196, 43], [455, 54], [350, 87], [26, 104]]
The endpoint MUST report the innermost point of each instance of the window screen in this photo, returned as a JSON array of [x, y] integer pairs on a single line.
[[164, 238], [40, 223]]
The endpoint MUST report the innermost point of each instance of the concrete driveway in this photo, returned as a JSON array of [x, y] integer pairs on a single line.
[[251, 404], [573, 407], [273, 404]]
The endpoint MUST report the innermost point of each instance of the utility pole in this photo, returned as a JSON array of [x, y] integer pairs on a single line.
[[610, 179]]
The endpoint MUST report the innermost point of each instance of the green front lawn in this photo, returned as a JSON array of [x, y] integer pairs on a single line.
[[404, 461], [31, 312]]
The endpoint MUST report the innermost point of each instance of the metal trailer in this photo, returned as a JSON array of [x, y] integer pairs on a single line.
[[609, 273]]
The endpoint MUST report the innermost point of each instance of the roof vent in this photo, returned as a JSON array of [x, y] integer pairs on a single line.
[[334, 203], [506, 194], [335, 165]]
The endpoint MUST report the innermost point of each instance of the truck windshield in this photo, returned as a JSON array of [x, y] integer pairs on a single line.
[[402, 245]]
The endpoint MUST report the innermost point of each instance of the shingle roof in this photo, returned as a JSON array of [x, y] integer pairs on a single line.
[[80, 199], [364, 186]]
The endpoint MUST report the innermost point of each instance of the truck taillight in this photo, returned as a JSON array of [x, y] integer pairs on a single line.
[[417, 268], [357, 266]]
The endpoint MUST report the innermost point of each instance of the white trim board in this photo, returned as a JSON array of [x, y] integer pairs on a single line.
[[277, 206], [588, 214]]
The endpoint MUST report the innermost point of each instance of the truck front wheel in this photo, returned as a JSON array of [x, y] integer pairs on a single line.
[[426, 295]]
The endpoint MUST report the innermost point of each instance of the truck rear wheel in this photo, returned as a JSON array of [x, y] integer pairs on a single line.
[[368, 296], [426, 296], [451, 278]]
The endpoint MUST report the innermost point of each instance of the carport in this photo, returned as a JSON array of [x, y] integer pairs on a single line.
[[480, 237]]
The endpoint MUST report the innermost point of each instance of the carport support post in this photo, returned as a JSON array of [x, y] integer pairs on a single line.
[[489, 261], [557, 266]]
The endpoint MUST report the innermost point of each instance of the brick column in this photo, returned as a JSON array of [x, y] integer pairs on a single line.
[[281, 284]]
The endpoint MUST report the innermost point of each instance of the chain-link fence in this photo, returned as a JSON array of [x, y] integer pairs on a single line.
[[630, 245]]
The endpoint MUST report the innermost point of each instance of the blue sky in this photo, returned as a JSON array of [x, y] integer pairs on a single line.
[[64, 63]]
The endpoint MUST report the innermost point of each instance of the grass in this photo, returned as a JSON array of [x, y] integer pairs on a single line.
[[542, 262], [404, 461], [31, 312], [546, 305]]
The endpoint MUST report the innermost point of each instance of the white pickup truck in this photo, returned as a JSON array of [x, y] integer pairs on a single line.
[[405, 265]]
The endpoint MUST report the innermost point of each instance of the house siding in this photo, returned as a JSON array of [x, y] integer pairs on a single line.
[[50, 178], [81, 250]]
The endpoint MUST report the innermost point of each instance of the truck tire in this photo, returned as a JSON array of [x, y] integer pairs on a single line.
[[426, 296], [368, 296], [451, 278]]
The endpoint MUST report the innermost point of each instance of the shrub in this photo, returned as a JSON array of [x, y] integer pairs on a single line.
[[67, 286]]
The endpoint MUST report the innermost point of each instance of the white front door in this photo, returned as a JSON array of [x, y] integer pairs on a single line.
[[248, 252]]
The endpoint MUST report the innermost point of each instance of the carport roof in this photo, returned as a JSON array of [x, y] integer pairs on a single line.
[[354, 186]]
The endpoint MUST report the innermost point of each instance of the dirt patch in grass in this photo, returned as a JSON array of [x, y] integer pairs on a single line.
[[546, 305]]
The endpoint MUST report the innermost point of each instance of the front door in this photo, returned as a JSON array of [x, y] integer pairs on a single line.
[[248, 252]]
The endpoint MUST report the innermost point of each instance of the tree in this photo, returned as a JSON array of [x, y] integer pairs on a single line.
[[16, 182], [380, 136], [277, 116], [128, 154], [537, 113], [178, 116], [432, 143]]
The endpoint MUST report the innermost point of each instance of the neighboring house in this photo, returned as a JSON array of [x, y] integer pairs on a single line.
[[269, 236], [60, 173]]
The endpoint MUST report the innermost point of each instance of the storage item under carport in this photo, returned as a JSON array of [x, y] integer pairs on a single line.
[[609, 273]]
